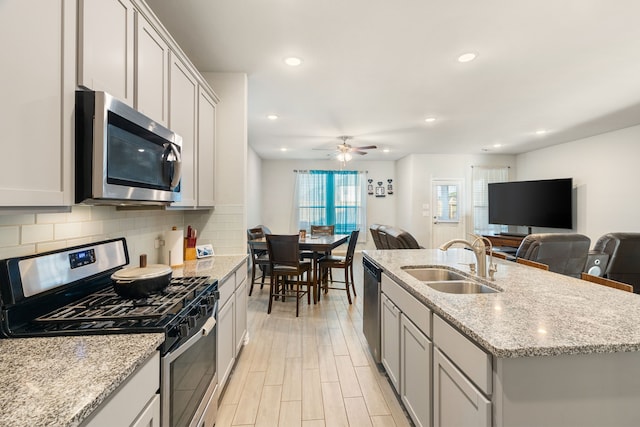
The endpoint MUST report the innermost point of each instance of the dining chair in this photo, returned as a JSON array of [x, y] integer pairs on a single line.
[[259, 258], [285, 264], [532, 263], [606, 282], [330, 262]]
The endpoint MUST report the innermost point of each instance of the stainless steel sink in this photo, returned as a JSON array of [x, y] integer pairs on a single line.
[[448, 281], [433, 274], [461, 287]]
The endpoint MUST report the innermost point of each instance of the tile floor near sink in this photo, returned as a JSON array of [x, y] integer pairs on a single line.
[[314, 370]]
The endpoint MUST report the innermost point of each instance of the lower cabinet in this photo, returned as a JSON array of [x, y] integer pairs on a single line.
[[232, 321], [456, 401], [415, 372], [390, 341], [406, 349], [136, 403]]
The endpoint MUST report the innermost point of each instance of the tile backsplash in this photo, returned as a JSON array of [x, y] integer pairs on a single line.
[[26, 234]]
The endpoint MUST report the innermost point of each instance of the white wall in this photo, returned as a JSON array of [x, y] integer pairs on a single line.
[[605, 172], [278, 180], [254, 190], [415, 173]]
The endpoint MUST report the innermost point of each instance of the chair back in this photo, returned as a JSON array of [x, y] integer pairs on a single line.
[[283, 249], [351, 249], [564, 253], [624, 257], [323, 230], [376, 237]]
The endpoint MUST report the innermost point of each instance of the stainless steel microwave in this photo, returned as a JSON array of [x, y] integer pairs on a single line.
[[122, 156]]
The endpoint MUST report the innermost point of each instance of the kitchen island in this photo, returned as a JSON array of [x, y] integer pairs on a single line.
[[546, 349], [63, 381]]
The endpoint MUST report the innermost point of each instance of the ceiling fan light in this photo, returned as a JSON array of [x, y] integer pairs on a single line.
[[347, 157]]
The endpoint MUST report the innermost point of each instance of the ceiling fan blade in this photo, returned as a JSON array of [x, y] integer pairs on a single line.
[[362, 153], [366, 147]]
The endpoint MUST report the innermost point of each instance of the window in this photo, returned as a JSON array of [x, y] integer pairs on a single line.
[[331, 197], [447, 203], [482, 176]]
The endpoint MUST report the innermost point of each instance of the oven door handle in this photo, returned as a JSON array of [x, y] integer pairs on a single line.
[[208, 326]]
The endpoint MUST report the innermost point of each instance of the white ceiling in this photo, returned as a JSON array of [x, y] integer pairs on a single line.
[[375, 69]]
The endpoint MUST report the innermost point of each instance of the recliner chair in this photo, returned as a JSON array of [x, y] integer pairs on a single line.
[[624, 257], [564, 253]]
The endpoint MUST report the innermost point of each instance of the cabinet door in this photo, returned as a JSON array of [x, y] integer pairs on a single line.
[[456, 401], [390, 338], [226, 344], [241, 314], [150, 416], [152, 69], [206, 149], [105, 47], [183, 97], [36, 112], [415, 372]]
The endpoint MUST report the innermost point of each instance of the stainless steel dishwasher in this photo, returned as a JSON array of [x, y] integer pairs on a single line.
[[371, 307]]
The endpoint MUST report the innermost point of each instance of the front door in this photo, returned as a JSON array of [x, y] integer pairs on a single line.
[[448, 218]]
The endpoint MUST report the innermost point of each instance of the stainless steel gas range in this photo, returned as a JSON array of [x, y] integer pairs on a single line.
[[70, 292]]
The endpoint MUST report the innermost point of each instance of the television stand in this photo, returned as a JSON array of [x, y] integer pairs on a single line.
[[507, 240]]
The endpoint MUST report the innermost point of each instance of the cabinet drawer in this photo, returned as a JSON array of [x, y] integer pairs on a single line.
[[241, 274], [408, 304], [227, 287], [470, 358]]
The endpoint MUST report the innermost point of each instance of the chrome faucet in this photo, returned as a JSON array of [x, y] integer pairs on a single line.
[[479, 249]]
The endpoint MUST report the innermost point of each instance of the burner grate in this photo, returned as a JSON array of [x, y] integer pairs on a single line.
[[106, 305]]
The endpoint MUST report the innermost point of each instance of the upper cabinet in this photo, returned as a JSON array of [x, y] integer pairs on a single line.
[[36, 115], [183, 104], [152, 72], [206, 148], [106, 47], [124, 50]]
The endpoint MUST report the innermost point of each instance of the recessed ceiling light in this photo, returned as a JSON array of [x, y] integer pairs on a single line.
[[283, 149], [541, 131], [497, 145], [467, 57], [430, 119], [272, 117], [386, 150], [292, 61]]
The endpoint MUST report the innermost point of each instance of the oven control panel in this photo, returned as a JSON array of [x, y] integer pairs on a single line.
[[80, 258]]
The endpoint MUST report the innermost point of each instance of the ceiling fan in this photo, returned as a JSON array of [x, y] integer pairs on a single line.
[[345, 151]]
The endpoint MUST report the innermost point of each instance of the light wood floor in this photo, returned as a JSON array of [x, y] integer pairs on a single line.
[[310, 371]]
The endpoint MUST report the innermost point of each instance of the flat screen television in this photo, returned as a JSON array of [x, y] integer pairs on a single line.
[[541, 203]]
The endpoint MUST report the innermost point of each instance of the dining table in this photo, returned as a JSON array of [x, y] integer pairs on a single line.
[[317, 245]]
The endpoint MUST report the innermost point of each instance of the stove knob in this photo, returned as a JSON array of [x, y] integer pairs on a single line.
[[191, 320], [184, 330], [203, 310]]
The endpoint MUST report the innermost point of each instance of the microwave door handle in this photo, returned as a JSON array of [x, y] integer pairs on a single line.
[[177, 166]]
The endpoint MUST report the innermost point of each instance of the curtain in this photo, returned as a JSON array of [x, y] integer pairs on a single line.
[[481, 177], [324, 197]]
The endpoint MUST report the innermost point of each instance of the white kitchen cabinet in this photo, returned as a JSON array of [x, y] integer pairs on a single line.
[[206, 148], [152, 72], [456, 401], [415, 372], [36, 115], [240, 326], [226, 344], [134, 403], [232, 321], [390, 340], [183, 107], [106, 47]]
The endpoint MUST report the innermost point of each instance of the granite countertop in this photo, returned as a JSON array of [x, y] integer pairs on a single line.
[[538, 313], [59, 381]]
